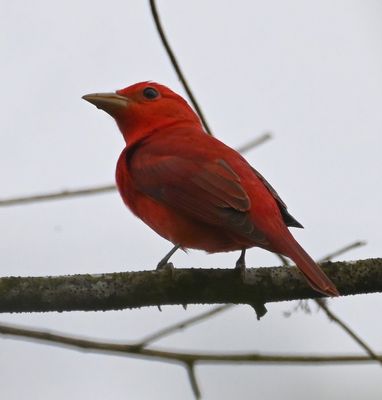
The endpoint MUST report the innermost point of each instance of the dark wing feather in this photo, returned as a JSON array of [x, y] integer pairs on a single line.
[[208, 191], [288, 219]]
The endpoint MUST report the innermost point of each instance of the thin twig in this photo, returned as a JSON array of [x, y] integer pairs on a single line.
[[323, 304], [65, 194], [175, 64], [345, 249], [255, 142], [96, 346], [183, 324], [348, 330], [190, 366]]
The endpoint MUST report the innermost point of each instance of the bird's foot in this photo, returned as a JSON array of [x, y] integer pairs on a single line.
[[165, 266], [241, 266], [163, 263], [241, 269]]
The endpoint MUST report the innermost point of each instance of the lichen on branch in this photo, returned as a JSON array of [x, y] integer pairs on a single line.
[[122, 290]]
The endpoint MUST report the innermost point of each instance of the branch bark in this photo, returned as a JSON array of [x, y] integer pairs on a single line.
[[180, 286]]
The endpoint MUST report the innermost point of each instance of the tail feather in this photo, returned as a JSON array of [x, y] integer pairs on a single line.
[[315, 276]]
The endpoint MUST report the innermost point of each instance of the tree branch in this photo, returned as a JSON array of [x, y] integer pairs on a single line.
[[96, 346], [180, 286]]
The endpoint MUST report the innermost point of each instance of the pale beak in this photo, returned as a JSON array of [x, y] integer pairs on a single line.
[[112, 103]]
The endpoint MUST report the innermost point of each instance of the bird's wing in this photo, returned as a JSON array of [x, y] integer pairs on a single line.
[[288, 219], [207, 191]]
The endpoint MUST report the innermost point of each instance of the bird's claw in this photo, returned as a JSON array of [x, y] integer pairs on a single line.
[[166, 266], [241, 268], [240, 265]]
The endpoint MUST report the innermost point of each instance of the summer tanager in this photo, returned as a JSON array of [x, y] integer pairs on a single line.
[[191, 188]]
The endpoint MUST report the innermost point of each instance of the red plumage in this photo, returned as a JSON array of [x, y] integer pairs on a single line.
[[192, 189]]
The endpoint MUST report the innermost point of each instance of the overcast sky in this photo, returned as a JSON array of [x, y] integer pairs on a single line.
[[309, 72]]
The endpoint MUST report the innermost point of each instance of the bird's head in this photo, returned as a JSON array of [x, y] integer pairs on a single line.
[[143, 108]]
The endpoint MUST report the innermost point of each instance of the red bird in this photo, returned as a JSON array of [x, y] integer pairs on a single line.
[[192, 189]]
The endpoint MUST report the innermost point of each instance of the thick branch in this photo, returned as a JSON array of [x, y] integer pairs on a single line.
[[180, 286]]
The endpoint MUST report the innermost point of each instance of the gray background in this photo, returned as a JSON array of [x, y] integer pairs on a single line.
[[310, 72]]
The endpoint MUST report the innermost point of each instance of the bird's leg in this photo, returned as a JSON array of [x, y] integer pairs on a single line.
[[240, 263], [163, 263], [259, 307]]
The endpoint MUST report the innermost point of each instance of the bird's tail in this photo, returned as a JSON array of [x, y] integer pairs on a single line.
[[316, 277]]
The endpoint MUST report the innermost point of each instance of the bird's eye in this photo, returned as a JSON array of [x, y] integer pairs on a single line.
[[150, 93]]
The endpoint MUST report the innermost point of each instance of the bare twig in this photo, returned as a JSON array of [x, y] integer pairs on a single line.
[[190, 366], [348, 330], [254, 143], [64, 194], [176, 65], [183, 324], [323, 304], [177, 357], [342, 250]]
